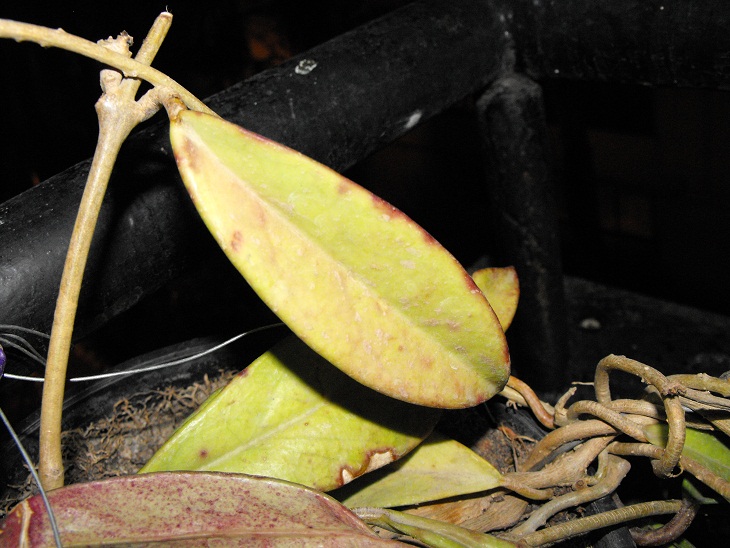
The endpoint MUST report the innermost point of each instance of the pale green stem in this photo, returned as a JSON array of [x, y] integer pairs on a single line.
[[51, 462], [131, 68], [580, 526], [118, 114]]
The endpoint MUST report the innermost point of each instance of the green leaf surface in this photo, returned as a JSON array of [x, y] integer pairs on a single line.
[[352, 276], [703, 447], [190, 509], [501, 287], [291, 415], [695, 489], [437, 469]]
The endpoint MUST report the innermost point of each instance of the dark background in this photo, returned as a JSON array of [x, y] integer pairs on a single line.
[[641, 172]]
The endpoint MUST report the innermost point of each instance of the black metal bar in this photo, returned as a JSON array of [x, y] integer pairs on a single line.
[[337, 103], [514, 132], [657, 42]]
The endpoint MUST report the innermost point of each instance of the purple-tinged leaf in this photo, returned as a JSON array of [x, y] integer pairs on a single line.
[[188, 509]]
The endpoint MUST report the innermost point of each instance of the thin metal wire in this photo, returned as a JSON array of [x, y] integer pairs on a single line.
[[22, 378], [11, 340], [8, 327], [152, 367], [32, 354], [22, 341], [26, 458]]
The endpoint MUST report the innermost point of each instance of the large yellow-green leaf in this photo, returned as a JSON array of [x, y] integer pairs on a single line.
[[291, 415], [187, 509], [502, 289], [437, 469], [352, 276]]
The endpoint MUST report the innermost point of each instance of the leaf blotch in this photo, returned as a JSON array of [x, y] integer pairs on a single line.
[[188, 154], [236, 241], [203, 454], [374, 459]]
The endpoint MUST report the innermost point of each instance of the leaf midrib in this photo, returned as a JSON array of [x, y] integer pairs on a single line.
[[283, 217], [269, 432]]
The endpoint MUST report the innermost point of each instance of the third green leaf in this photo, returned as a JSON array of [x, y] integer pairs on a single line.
[[439, 468]]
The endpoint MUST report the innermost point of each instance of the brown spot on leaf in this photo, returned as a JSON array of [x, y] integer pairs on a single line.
[[374, 459], [236, 241], [203, 454], [187, 153], [379, 457], [260, 216]]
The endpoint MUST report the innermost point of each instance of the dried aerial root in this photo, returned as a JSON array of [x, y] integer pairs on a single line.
[[560, 460]]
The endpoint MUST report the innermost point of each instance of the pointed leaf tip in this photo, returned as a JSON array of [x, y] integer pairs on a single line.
[[501, 287], [351, 275]]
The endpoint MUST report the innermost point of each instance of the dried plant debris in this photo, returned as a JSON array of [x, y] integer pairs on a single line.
[[121, 443]]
